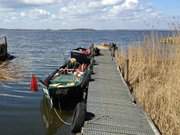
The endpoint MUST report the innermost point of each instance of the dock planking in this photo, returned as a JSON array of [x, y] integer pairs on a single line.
[[110, 104]]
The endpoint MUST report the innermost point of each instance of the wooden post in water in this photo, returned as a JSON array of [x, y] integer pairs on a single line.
[[3, 48], [5, 44]]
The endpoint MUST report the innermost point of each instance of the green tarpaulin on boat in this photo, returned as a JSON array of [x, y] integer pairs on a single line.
[[65, 80]]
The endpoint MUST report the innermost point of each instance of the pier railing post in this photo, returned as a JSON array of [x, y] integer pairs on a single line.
[[122, 71], [126, 68]]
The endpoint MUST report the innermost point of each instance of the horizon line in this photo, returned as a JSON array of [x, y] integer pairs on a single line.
[[87, 29]]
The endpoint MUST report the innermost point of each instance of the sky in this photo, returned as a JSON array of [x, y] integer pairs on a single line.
[[95, 14]]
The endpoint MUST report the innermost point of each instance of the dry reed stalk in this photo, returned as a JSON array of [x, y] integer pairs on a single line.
[[154, 74], [9, 72]]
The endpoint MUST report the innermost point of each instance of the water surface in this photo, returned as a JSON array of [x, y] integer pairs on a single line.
[[41, 52]]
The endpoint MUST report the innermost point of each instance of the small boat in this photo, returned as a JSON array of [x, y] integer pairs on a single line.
[[68, 84], [85, 55], [82, 55], [67, 87], [96, 51]]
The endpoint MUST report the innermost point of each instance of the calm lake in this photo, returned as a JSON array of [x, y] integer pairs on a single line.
[[40, 52]]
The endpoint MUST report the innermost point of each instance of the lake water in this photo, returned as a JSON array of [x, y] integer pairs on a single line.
[[41, 52]]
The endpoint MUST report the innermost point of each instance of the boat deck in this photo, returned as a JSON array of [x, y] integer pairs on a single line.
[[110, 107]]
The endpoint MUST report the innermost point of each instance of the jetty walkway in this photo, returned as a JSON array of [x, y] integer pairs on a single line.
[[110, 104]]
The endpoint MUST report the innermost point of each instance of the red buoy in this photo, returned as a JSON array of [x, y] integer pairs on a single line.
[[34, 83]]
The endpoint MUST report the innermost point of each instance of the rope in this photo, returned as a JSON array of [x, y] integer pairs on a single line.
[[60, 118]]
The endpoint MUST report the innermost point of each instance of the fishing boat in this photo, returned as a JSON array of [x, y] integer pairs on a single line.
[[82, 55], [68, 84], [85, 55], [67, 87]]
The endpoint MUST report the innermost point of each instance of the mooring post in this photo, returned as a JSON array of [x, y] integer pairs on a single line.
[[127, 66], [122, 70], [121, 67], [5, 42], [3, 48], [127, 70], [116, 50]]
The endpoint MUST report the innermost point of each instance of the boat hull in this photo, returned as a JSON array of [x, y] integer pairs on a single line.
[[69, 95]]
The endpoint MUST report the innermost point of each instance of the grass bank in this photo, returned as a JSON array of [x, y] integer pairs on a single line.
[[154, 75]]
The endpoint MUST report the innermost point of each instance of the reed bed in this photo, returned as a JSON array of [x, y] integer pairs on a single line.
[[154, 75], [9, 72]]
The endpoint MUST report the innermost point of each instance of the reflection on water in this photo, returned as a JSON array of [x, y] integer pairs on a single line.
[[10, 71], [51, 121]]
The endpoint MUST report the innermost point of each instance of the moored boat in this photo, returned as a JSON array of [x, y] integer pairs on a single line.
[[82, 55], [68, 84], [67, 87]]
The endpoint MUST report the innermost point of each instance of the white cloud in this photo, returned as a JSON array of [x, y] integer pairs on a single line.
[[130, 4], [80, 9], [38, 2], [98, 8], [77, 13], [36, 14], [110, 2], [15, 4], [76, 7], [5, 9], [126, 6]]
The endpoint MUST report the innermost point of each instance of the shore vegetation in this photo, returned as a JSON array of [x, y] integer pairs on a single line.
[[154, 76]]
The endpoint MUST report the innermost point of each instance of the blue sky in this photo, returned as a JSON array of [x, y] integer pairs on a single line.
[[97, 14], [171, 7]]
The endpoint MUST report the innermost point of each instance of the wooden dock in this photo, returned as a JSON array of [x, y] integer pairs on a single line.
[[110, 106]]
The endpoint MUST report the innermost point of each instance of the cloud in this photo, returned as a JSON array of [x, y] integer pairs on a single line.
[[36, 14], [77, 13], [38, 2], [110, 2], [130, 4], [98, 8], [25, 3], [76, 9]]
